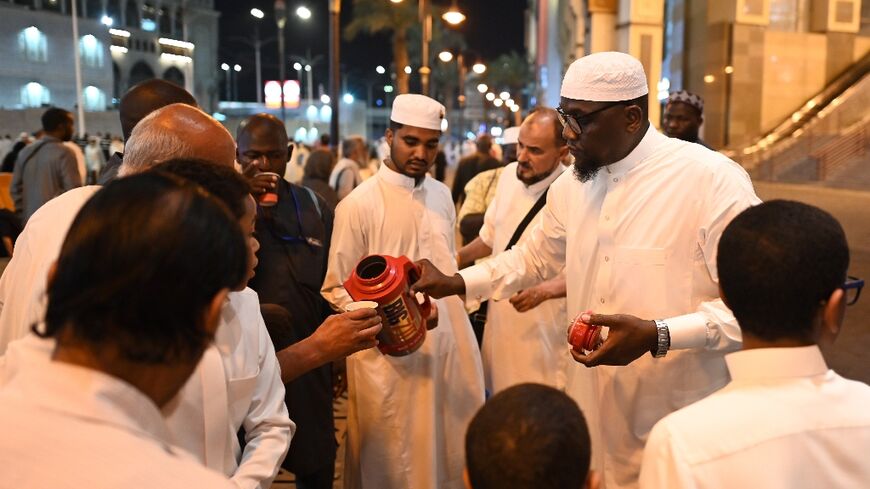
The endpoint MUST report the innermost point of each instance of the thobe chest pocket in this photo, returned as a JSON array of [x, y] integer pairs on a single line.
[[640, 280], [240, 391]]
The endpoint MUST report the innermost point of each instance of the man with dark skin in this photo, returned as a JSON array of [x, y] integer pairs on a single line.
[[138, 102], [636, 230], [683, 116], [294, 237]]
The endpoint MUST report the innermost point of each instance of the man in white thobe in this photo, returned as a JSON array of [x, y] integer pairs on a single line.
[[635, 227], [237, 383], [786, 420], [406, 415], [346, 175], [524, 338]]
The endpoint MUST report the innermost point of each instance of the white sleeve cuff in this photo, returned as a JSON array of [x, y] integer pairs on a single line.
[[478, 284], [687, 331]]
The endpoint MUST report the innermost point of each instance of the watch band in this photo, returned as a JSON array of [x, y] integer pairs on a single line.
[[663, 339]]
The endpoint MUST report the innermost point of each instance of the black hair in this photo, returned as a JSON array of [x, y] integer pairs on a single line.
[[778, 262], [642, 102], [221, 181], [54, 118], [142, 261], [529, 436], [395, 126]]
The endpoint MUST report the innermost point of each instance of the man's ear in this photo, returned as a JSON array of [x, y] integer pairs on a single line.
[[634, 118], [833, 312], [290, 148], [213, 312], [388, 135]]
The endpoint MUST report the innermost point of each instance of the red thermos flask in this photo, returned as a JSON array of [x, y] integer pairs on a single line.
[[387, 280]]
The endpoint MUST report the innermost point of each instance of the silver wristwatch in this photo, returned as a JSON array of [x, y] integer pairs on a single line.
[[663, 337]]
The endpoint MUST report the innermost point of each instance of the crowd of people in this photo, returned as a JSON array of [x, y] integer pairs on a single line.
[[182, 321]]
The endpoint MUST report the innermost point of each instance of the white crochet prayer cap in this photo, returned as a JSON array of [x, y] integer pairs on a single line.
[[605, 77], [417, 111], [511, 135]]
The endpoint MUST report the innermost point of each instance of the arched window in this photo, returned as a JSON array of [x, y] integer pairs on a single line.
[[165, 22], [94, 98], [32, 44], [174, 75], [179, 23], [35, 95], [132, 14], [91, 51], [140, 72]]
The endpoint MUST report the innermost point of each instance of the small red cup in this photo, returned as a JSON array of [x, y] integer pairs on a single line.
[[583, 336], [269, 198]]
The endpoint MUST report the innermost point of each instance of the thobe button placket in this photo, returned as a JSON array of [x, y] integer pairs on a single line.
[[606, 258], [602, 300]]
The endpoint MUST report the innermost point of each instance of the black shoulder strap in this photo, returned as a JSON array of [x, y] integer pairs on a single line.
[[539, 204], [31, 155]]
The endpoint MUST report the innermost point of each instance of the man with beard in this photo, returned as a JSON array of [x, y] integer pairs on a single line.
[[636, 229], [523, 337], [683, 117], [406, 415]]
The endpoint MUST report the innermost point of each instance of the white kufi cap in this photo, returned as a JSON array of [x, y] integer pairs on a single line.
[[511, 135], [417, 111], [605, 77]]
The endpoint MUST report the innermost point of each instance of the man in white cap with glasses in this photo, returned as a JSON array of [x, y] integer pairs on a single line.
[[636, 227], [406, 415]]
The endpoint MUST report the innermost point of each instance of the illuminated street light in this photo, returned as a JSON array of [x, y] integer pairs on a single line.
[[297, 66], [498, 102], [380, 69], [482, 88], [453, 16], [709, 79], [478, 68], [303, 12], [388, 88], [107, 21], [408, 70], [307, 67], [504, 95], [324, 98], [445, 56], [348, 98], [396, 1], [257, 13], [729, 69], [509, 102], [490, 96], [225, 67], [515, 108], [237, 68]]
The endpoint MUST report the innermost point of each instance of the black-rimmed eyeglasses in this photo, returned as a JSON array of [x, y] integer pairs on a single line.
[[576, 122], [852, 288]]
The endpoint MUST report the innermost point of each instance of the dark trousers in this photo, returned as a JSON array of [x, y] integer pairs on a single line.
[[322, 479]]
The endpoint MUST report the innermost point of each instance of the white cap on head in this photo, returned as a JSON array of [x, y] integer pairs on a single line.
[[418, 111], [605, 77], [511, 135]]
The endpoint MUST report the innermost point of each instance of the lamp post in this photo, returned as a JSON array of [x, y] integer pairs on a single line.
[[258, 14], [452, 16], [281, 21], [237, 68], [334, 75], [226, 69]]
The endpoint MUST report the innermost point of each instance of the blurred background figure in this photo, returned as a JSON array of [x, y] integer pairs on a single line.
[[470, 166], [94, 160], [346, 174], [318, 168], [683, 116]]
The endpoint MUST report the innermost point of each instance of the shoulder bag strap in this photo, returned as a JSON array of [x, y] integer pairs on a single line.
[[539, 204]]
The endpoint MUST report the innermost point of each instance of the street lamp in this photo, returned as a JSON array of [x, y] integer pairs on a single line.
[[380, 69], [107, 21], [280, 22], [303, 12], [453, 16], [258, 14], [445, 56], [237, 68], [408, 70], [490, 96], [478, 68], [504, 95], [482, 88], [226, 69]]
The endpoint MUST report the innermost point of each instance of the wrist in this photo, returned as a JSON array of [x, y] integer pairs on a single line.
[[457, 285]]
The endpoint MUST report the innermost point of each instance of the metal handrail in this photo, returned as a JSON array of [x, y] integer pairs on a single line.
[[834, 154]]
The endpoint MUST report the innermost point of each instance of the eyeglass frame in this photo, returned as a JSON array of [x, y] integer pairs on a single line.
[[853, 283], [573, 122]]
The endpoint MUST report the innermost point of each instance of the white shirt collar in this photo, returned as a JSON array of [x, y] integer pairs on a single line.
[[772, 363], [90, 394], [644, 148], [540, 186], [393, 177]]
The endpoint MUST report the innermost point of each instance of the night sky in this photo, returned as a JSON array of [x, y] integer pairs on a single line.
[[492, 27]]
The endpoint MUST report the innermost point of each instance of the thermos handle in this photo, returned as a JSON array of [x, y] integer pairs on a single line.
[[426, 306]]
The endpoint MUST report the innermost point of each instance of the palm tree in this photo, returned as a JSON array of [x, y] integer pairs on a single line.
[[376, 16]]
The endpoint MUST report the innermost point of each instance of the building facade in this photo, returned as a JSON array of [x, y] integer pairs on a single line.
[[120, 43], [755, 62]]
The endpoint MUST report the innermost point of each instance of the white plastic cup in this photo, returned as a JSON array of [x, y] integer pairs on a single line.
[[355, 306]]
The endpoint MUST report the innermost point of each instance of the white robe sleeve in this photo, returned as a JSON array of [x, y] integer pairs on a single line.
[[539, 257], [713, 325], [348, 246], [268, 429]]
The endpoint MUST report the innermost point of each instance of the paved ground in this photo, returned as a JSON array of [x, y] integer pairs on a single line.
[[850, 355]]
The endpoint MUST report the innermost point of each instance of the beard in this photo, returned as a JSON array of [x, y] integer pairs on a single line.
[[585, 170], [533, 178]]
